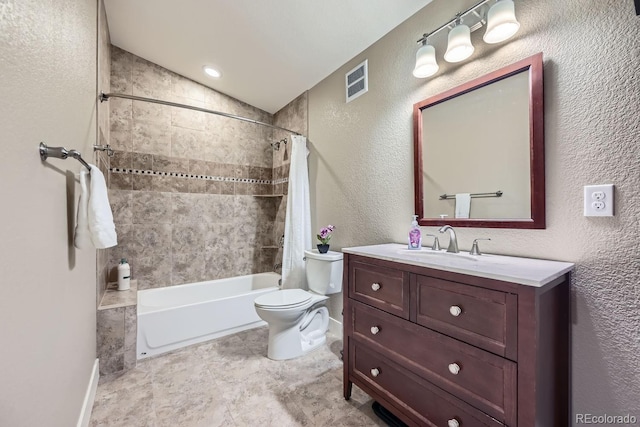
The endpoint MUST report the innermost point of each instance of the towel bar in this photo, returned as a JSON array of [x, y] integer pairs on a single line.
[[61, 153], [453, 196]]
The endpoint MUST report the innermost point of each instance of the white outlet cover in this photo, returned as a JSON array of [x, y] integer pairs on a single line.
[[598, 200]]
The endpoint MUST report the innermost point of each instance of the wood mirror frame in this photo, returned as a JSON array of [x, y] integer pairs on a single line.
[[534, 66]]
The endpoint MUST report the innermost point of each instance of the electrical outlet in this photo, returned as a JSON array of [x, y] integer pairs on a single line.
[[598, 200]]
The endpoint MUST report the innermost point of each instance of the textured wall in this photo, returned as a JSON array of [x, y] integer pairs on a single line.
[[182, 182], [47, 308], [362, 166]]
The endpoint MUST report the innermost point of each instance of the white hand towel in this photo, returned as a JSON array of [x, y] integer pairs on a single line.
[[103, 230], [82, 235], [463, 205]]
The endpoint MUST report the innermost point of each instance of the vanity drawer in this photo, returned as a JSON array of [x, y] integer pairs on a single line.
[[482, 379], [385, 288], [482, 317], [426, 403]]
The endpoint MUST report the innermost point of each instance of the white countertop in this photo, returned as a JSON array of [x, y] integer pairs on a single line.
[[525, 271]]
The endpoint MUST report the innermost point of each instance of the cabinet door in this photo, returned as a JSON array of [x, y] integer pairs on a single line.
[[482, 317], [381, 287]]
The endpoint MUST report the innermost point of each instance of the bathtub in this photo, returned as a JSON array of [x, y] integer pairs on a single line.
[[177, 316]]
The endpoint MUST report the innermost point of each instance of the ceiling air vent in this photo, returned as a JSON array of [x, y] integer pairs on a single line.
[[357, 81]]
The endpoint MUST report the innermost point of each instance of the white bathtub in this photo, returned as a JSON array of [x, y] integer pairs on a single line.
[[177, 316]]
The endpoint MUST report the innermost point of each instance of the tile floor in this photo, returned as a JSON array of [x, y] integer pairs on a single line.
[[230, 382]]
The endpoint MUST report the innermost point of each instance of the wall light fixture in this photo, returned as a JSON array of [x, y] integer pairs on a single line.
[[426, 64], [459, 45], [501, 22]]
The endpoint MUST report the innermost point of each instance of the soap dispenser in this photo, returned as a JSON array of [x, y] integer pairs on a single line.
[[415, 235]]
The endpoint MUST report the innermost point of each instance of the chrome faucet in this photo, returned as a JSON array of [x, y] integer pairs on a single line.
[[475, 250], [436, 243], [453, 241]]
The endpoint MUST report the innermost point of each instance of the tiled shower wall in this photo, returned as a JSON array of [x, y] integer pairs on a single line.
[[294, 117], [185, 186], [115, 328], [100, 157]]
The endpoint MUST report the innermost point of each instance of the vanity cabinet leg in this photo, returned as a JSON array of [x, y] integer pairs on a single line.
[[347, 389], [346, 383]]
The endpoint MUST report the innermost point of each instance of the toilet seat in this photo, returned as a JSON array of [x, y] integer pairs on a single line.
[[283, 299]]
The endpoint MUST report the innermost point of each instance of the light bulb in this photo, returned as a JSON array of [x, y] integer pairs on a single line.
[[212, 72]]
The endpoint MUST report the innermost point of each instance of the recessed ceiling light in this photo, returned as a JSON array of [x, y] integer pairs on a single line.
[[212, 72]]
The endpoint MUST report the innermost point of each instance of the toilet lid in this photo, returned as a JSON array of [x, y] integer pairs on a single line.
[[283, 298]]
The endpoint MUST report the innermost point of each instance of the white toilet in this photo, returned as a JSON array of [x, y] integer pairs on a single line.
[[298, 319]]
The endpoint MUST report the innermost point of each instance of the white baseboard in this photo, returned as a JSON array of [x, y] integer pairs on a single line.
[[90, 396], [335, 327]]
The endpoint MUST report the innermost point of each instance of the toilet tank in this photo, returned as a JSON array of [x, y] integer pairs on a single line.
[[324, 271]]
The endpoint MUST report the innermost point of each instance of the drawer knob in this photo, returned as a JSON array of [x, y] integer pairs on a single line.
[[375, 372], [374, 330], [453, 423], [375, 286], [455, 310], [454, 368]]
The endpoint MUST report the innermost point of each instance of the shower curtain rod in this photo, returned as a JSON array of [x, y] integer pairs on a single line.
[[105, 97]]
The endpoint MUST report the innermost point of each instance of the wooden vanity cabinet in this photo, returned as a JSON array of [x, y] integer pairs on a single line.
[[438, 348]]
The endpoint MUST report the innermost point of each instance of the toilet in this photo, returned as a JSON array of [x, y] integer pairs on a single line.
[[298, 319]]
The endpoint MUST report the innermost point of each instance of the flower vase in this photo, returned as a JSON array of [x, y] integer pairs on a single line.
[[323, 248]]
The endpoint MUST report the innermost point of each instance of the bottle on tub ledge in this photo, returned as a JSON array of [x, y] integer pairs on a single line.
[[124, 275], [415, 235]]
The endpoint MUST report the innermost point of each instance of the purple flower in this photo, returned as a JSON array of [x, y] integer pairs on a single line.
[[325, 234]]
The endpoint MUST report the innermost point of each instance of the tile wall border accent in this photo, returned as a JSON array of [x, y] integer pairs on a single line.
[[280, 181], [187, 175]]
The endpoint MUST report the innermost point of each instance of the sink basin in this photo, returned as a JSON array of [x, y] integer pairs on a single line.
[[426, 253], [462, 259]]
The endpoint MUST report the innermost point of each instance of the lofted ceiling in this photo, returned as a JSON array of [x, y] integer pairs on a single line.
[[269, 52]]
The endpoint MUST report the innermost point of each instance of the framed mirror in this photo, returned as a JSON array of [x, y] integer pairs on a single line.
[[479, 151]]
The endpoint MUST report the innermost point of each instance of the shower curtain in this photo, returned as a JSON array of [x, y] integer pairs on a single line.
[[297, 224]]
